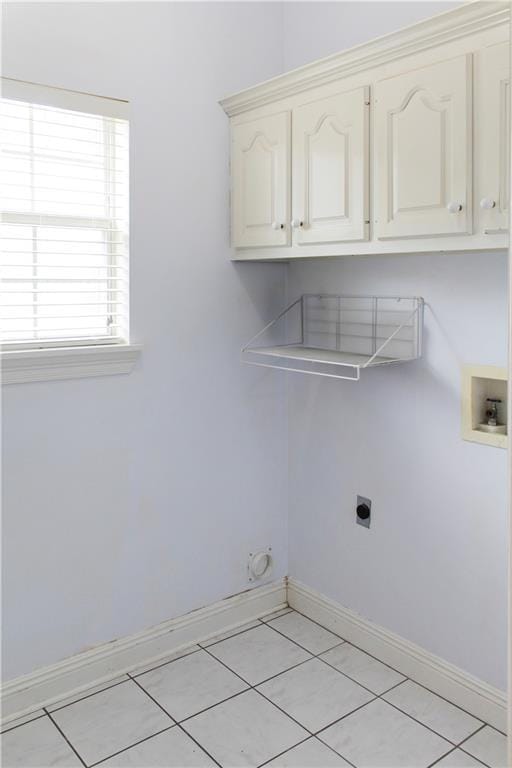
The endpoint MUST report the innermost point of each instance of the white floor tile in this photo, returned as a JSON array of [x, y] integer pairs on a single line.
[[275, 614], [310, 754], [191, 684], [315, 694], [37, 744], [362, 668], [379, 736], [87, 692], [118, 724], [458, 759], [489, 746], [165, 660], [107, 722], [172, 749], [246, 730], [305, 632], [259, 654], [230, 633], [7, 725], [431, 710]]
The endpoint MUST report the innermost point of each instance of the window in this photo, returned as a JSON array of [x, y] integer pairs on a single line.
[[64, 222]]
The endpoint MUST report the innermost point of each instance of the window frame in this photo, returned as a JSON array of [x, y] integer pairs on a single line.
[[46, 359]]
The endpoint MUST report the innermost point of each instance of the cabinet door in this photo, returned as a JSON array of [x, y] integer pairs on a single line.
[[261, 182], [493, 138], [330, 150], [423, 151]]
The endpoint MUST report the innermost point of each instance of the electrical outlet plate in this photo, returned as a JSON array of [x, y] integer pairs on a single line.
[[360, 520]]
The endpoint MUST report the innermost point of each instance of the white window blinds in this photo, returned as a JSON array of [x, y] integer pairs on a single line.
[[64, 218]]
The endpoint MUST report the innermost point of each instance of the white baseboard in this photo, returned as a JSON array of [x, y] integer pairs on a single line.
[[45, 686], [468, 692]]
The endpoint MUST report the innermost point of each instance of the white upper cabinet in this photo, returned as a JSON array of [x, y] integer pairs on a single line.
[[423, 151], [493, 146], [330, 169], [260, 196], [399, 145]]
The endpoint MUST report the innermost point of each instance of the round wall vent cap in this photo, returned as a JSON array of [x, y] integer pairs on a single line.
[[260, 564]]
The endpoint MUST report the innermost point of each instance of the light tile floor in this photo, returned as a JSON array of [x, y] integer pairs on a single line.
[[280, 692]]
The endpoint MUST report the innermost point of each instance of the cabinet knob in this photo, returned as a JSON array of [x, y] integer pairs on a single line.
[[454, 207], [277, 225], [296, 223], [487, 203]]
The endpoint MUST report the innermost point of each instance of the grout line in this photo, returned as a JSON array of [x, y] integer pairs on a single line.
[[384, 693], [455, 744], [341, 641], [375, 696], [312, 735], [206, 709], [174, 721], [254, 687], [135, 744], [319, 656], [482, 722], [336, 753], [353, 680], [445, 738], [461, 747], [65, 738], [87, 695], [160, 706], [260, 682], [314, 621], [335, 722], [247, 683], [256, 690], [353, 644], [212, 706], [301, 725], [235, 634], [286, 611], [380, 696], [20, 725], [285, 751], [438, 759], [132, 675], [474, 758], [400, 673], [472, 734], [199, 745]]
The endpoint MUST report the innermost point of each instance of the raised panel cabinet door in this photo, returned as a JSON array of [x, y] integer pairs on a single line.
[[330, 150], [261, 182], [423, 133], [492, 138]]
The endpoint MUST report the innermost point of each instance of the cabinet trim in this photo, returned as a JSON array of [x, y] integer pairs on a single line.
[[443, 28]]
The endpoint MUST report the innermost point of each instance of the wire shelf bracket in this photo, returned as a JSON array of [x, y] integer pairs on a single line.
[[337, 336]]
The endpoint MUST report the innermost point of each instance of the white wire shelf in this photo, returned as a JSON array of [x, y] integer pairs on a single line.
[[338, 336]]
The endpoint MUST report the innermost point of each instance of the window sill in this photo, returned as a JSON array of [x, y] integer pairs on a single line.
[[20, 366]]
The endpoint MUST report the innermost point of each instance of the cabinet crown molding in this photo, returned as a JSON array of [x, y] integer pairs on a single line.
[[443, 28]]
